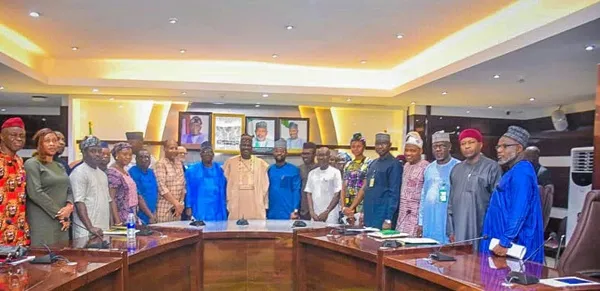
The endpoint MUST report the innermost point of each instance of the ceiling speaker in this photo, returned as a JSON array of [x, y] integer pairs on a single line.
[[559, 119]]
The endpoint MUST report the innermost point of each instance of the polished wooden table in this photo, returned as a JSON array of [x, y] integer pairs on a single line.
[[169, 259], [469, 272], [253, 257], [99, 271], [329, 261]]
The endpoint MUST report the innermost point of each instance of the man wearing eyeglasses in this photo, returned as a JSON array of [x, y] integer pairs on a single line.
[[515, 211], [472, 182]]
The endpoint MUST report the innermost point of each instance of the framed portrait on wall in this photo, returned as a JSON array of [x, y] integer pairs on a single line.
[[194, 129], [264, 133], [227, 132], [296, 131]]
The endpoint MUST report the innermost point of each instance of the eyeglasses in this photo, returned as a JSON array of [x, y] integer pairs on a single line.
[[504, 146]]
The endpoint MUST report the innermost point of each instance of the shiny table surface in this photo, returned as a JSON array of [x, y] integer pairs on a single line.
[[471, 271], [275, 226]]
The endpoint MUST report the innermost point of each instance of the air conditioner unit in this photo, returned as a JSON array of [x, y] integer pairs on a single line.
[[582, 166]]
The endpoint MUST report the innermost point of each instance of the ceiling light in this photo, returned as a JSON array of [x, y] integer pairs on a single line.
[[468, 111], [490, 107], [173, 20], [444, 93], [265, 95], [34, 14], [257, 105], [349, 99], [590, 47], [95, 90], [496, 76], [363, 61], [413, 103], [111, 98], [218, 103], [39, 98], [531, 99], [3, 109], [183, 93], [289, 27], [183, 51], [1, 87], [74, 48], [274, 56], [399, 36]]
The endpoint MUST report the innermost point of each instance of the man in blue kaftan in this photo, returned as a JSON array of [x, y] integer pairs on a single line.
[[284, 186]]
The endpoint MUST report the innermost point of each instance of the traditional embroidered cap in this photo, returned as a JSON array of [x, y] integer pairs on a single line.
[[344, 157], [90, 141], [119, 147], [414, 138], [440, 136], [357, 136], [309, 145], [293, 125], [382, 137], [472, 133], [518, 134], [281, 143], [206, 145], [13, 122], [134, 135], [104, 145], [261, 124]]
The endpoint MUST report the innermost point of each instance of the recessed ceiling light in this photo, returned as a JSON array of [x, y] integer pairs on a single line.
[[274, 56], [590, 47], [468, 111], [218, 103], [444, 93], [265, 95], [111, 98], [183, 51], [39, 98], [257, 105], [183, 93], [363, 61], [74, 48], [531, 99], [349, 99], [490, 107], [289, 27], [173, 20], [34, 14], [496, 76], [399, 36], [1, 87], [3, 109], [95, 90], [413, 103]]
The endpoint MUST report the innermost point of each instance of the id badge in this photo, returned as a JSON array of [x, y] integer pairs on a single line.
[[372, 182], [443, 194]]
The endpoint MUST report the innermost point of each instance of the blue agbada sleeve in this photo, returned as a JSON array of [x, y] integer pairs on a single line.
[[190, 186], [296, 188], [516, 211], [395, 178], [222, 189]]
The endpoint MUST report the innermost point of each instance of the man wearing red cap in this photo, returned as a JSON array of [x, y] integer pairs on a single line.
[[471, 184], [12, 184]]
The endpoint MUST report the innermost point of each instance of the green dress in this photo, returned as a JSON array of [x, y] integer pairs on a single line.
[[48, 190]]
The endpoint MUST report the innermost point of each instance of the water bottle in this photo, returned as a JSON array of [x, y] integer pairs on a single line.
[[131, 242]]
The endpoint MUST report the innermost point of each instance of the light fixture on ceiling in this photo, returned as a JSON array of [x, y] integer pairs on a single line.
[[496, 76], [289, 27], [257, 105], [74, 48], [590, 47], [182, 51], [218, 103], [468, 111], [1, 87], [490, 107], [39, 98], [275, 56], [399, 36], [34, 14], [3, 109], [444, 93], [349, 100], [95, 90], [363, 62], [111, 98], [531, 99], [183, 93], [265, 95], [173, 20], [413, 103]]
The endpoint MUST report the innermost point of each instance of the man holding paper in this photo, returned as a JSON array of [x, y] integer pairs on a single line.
[[514, 215]]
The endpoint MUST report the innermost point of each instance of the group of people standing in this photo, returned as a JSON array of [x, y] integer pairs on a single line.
[[446, 200]]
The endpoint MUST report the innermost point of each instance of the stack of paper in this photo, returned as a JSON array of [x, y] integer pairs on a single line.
[[385, 234], [516, 251], [418, 241]]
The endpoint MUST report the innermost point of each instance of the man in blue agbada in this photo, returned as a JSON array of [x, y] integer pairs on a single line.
[[206, 186], [436, 190], [146, 185], [285, 185], [514, 214]]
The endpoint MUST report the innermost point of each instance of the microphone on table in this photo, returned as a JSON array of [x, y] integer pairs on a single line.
[[521, 277], [394, 243], [242, 221], [196, 222], [100, 245], [438, 256]]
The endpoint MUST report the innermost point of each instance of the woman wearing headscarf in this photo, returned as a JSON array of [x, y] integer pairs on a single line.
[[412, 184], [354, 175], [121, 186], [49, 196]]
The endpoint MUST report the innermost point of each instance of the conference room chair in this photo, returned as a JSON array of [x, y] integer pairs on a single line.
[[547, 198], [581, 256], [557, 245]]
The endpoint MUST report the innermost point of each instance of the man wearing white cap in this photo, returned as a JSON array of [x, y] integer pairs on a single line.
[[412, 184], [436, 190]]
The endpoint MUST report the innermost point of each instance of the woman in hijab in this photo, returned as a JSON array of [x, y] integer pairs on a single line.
[[121, 186]]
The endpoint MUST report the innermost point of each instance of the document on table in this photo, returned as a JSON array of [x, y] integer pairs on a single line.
[[567, 282], [418, 241]]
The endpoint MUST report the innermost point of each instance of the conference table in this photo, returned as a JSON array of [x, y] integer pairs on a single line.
[[257, 256], [166, 260]]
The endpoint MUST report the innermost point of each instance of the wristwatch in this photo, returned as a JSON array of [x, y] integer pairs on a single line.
[[387, 221]]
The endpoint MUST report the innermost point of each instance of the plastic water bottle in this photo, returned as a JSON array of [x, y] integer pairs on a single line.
[[131, 242]]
